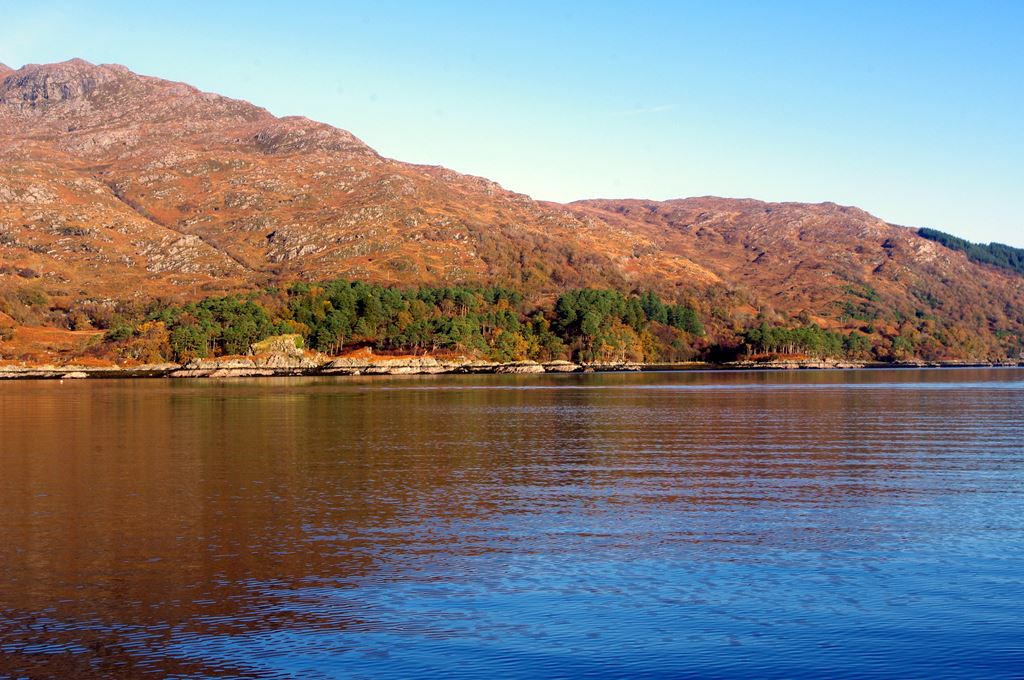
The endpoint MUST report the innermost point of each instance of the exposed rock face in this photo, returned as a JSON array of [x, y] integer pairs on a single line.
[[245, 367], [371, 365], [267, 364], [115, 185], [290, 363], [38, 86], [287, 345], [297, 135]]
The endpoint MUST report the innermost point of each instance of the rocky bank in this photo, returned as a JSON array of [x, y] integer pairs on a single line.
[[365, 363]]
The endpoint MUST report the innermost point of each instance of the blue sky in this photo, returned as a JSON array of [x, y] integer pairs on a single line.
[[911, 110]]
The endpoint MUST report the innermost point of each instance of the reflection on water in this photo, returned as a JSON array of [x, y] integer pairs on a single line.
[[713, 524]]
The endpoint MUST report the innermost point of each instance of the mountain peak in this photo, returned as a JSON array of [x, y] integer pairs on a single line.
[[76, 64], [35, 85], [79, 105], [5, 70]]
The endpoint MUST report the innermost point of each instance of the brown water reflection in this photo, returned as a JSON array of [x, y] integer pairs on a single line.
[[234, 527]]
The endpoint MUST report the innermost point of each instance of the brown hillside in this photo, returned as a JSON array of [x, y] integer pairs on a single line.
[[820, 258], [169, 188], [116, 186]]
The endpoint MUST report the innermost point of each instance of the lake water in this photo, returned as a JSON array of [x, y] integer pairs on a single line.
[[759, 524]]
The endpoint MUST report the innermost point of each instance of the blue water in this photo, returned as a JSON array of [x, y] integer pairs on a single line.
[[755, 524]]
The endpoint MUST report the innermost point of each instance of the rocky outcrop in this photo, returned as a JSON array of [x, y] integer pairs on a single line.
[[613, 366], [560, 366], [383, 366], [799, 363], [520, 367], [268, 364], [293, 362], [289, 345], [295, 134], [301, 363], [406, 366], [38, 85]]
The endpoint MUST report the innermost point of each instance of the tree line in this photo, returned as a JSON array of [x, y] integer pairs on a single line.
[[810, 339], [587, 325]]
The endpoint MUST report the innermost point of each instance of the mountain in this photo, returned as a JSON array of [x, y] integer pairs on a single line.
[[838, 263], [170, 187], [117, 187]]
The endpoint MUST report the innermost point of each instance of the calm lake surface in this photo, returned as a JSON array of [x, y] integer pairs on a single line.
[[760, 524]]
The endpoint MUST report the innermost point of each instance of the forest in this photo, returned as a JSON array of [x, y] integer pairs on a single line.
[[585, 325]]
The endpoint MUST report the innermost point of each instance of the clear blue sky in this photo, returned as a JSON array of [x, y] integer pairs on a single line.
[[911, 110]]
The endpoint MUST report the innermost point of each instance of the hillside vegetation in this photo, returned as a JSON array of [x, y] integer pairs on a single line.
[[996, 254], [585, 325], [121, 194]]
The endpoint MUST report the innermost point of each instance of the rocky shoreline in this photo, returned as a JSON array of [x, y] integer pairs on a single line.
[[278, 365], [307, 364]]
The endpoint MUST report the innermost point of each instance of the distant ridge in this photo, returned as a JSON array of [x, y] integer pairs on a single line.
[[117, 187]]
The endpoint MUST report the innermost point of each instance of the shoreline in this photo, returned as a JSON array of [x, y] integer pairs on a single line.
[[280, 366]]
